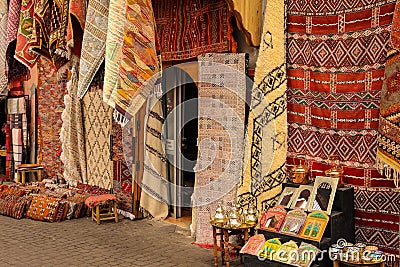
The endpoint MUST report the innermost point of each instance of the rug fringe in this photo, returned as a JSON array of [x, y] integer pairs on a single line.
[[119, 118]]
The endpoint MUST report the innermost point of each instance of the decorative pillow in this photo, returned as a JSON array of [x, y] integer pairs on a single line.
[[43, 208]]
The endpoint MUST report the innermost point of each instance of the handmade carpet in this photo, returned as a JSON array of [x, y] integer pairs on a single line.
[[265, 154], [22, 50], [123, 186], [388, 151], [335, 75], [93, 44], [117, 143], [97, 120], [186, 29], [50, 23], [3, 48], [221, 119], [51, 93], [154, 196], [139, 61], [72, 135], [115, 37]]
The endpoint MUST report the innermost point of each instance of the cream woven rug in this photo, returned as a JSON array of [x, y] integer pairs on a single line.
[[98, 122], [266, 144]]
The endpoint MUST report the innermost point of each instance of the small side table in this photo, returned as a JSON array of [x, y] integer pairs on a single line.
[[225, 247], [337, 263], [22, 169]]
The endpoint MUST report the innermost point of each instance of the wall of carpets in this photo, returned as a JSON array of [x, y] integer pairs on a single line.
[[335, 74]]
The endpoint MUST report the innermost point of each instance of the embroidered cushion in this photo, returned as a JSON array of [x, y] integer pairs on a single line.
[[43, 208]]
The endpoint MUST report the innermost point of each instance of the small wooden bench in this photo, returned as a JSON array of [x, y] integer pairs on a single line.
[[22, 169], [104, 207]]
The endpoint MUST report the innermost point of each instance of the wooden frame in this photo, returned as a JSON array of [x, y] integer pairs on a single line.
[[286, 252], [273, 219], [315, 226], [323, 194], [302, 197], [294, 221], [287, 196]]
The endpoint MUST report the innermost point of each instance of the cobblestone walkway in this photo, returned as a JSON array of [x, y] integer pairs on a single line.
[[81, 242]]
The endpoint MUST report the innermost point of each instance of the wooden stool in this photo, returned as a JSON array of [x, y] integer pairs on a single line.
[[104, 207], [22, 169]]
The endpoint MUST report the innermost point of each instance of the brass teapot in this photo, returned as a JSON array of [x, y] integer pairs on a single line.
[[251, 217], [336, 171], [219, 216], [234, 220], [300, 174]]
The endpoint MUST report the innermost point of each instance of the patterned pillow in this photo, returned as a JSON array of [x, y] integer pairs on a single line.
[[43, 208]]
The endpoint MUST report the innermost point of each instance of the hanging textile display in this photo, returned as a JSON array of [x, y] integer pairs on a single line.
[[72, 135], [51, 93], [115, 38], [249, 16], [123, 185], [388, 155], [221, 119], [266, 148], [97, 120], [335, 76], [154, 196], [184, 31], [22, 50], [50, 24], [139, 61], [3, 48], [93, 44]]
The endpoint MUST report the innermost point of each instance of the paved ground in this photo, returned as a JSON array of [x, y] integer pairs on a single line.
[[81, 242]]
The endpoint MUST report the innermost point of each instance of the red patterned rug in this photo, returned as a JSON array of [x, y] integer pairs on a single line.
[[188, 28], [51, 93], [123, 186], [336, 61]]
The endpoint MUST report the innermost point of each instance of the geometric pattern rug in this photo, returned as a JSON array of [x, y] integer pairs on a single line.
[[51, 93], [221, 115], [97, 118], [335, 74], [188, 28], [266, 145]]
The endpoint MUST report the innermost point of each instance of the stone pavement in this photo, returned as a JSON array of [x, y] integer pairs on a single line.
[[81, 242]]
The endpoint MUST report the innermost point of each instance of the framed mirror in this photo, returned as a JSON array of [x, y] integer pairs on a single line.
[[323, 194], [302, 197], [273, 219], [293, 222], [287, 196], [315, 225]]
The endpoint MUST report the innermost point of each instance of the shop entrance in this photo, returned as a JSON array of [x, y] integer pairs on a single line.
[[181, 140]]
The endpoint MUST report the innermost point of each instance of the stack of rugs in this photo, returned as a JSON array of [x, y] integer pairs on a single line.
[[46, 201]]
